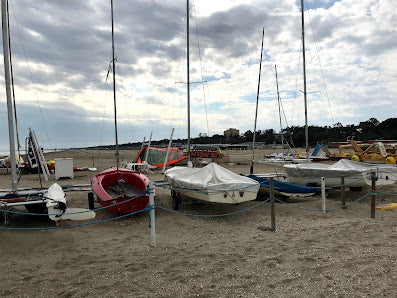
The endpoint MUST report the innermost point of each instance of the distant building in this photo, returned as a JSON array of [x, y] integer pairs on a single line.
[[231, 132]]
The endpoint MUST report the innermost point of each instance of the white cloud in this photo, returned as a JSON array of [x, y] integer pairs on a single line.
[[356, 43]]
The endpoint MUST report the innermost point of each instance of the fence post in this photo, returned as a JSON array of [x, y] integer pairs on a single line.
[[373, 196], [342, 182], [152, 215], [323, 207], [272, 207]]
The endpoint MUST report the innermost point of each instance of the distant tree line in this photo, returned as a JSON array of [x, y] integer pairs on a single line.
[[371, 129]]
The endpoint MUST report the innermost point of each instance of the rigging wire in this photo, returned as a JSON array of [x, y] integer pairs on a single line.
[[321, 68], [201, 67], [131, 126], [12, 82], [296, 81], [104, 108], [31, 77], [286, 124], [178, 101]]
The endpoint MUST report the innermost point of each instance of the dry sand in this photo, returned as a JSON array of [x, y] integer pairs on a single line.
[[341, 253]]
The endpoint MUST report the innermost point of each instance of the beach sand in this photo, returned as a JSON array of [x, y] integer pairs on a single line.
[[311, 254]]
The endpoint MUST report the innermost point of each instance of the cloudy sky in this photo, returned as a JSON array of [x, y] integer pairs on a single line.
[[62, 49]]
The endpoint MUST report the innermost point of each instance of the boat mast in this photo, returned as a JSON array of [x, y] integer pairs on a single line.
[[279, 112], [256, 110], [304, 80], [188, 80], [7, 72], [114, 93]]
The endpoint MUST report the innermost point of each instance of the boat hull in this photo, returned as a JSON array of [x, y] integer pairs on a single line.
[[112, 188], [213, 184], [284, 188], [356, 174], [222, 197]]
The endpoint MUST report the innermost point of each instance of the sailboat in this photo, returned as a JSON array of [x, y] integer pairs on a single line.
[[281, 187], [50, 200], [211, 183], [120, 190], [354, 173], [33, 200]]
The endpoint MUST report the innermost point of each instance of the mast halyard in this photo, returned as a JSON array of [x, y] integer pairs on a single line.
[[114, 93], [304, 80], [7, 72], [279, 112], [256, 110], [188, 80]]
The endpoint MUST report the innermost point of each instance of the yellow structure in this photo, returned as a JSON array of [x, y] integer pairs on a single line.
[[374, 153]]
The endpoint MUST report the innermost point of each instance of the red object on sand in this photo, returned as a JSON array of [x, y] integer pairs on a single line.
[[112, 188]]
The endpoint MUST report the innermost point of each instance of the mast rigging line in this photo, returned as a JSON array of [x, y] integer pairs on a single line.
[[12, 82], [321, 68], [201, 67], [257, 102], [31, 76]]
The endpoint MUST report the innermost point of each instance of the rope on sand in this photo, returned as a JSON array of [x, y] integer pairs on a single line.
[[147, 209], [387, 193], [346, 184], [205, 192], [213, 215], [331, 209], [75, 226]]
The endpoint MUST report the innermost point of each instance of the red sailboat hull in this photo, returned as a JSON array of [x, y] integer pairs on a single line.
[[112, 188]]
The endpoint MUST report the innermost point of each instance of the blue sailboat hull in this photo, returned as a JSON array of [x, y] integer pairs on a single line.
[[285, 188]]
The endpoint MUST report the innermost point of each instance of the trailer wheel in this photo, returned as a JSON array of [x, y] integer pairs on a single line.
[[175, 200], [91, 200], [356, 189]]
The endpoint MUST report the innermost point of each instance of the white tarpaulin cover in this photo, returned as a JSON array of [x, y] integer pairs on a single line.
[[211, 177], [342, 168]]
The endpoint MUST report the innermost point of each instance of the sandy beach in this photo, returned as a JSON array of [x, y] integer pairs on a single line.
[[338, 254]]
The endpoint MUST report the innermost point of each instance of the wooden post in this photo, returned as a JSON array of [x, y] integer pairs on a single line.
[[152, 215], [373, 197], [323, 207], [272, 207], [342, 182]]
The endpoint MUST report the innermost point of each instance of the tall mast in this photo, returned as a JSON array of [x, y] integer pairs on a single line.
[[7, 72], [304, 80], [279, 112], [256, 110], [114, 93], [188, 80]]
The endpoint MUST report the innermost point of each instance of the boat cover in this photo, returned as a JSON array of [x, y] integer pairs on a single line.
[[342, 168], [210, 177]]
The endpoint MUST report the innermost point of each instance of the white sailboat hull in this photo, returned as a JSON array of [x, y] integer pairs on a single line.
[[212, 183], [222, 197], [356, 174]]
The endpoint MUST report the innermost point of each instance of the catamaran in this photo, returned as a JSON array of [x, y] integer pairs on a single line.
[[41, 200]]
